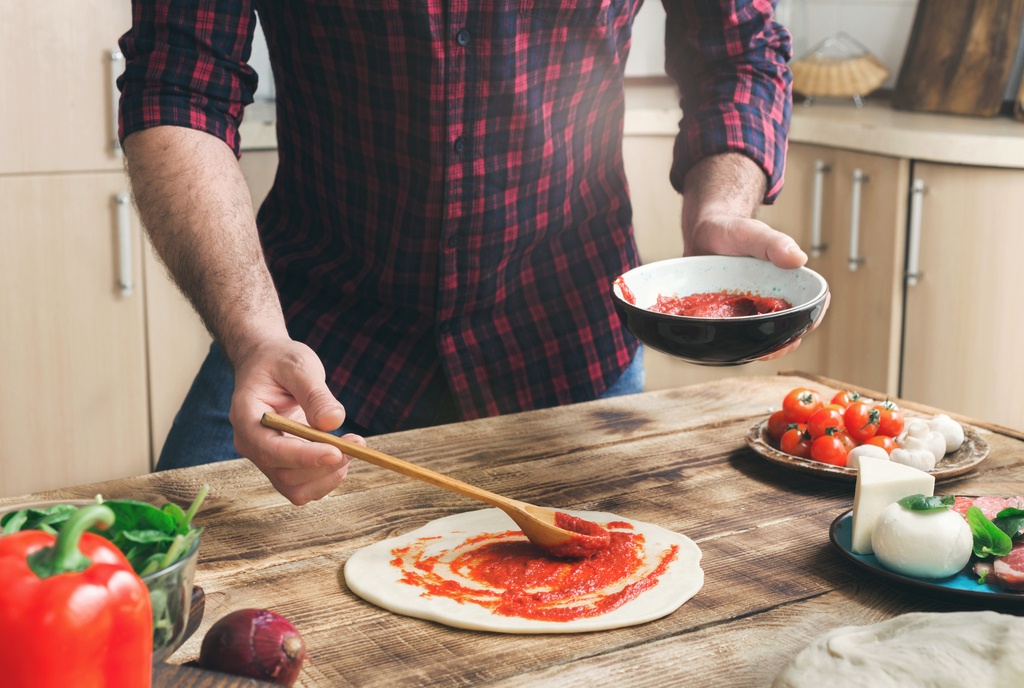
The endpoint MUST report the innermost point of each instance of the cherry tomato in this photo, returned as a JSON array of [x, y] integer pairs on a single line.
[[800, 403], [796, 442], [861, 421], [777, 425], [847, 440], [890, 421], [823, 419], [884, 441], [829, 449], [845, 398]]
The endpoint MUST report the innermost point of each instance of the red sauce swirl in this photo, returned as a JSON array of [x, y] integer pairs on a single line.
[[503, 572]]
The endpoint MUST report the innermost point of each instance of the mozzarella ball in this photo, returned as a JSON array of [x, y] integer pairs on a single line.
[[853, 458], [922, 544]]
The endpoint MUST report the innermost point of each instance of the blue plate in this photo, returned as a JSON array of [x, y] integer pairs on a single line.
[[962, 589]]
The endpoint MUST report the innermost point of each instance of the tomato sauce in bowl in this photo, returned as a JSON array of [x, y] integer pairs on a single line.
[[719, 305]]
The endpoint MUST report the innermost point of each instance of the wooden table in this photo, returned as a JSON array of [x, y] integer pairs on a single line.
[[675, 458]]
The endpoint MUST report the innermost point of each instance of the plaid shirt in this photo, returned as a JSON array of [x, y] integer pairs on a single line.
[[450, 198]]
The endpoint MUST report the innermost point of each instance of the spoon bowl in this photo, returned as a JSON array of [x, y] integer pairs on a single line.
[[553, 532]]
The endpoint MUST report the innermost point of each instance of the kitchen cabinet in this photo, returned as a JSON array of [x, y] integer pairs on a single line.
[[963, 329], [858, 202], [73, 377], [57, 88]]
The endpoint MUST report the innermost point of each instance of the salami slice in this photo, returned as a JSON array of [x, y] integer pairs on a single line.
[[1008, 571]]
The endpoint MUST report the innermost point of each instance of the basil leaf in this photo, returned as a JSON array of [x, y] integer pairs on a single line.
[[1009, 521], [919, 502], [988, 539]]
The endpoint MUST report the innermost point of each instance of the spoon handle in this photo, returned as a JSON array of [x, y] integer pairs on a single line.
[[273, 420]]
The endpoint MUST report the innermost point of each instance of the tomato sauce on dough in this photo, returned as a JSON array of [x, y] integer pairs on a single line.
[[506, 574]]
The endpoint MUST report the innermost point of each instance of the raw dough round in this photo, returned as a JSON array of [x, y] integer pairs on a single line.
[[918, 650], [370, 574]]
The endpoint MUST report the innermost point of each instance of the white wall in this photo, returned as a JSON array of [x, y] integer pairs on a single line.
[[883, 26]]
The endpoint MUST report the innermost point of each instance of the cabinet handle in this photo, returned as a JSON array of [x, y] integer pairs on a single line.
[[116, 67], [914, 273], [124, 243], [855, 258], [820, 169]]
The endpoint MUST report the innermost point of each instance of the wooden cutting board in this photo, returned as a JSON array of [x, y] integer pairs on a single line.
[[959, 56]]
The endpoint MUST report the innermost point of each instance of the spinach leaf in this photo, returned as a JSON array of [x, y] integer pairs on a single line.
[[132, 515], [988, 539], [920, 502], [1010, 521], [48, 520], [175, 512]]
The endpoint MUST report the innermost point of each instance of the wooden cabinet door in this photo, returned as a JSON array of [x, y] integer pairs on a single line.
[[860, 334], [963, 331], [57, 91], [73, 405]]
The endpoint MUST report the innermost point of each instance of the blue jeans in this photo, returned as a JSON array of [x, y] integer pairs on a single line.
[[202, 433]]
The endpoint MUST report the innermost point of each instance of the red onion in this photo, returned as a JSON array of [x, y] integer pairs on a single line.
[[254, 643]]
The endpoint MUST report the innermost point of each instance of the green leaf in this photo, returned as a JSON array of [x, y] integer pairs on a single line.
[[178, 514], [132, 515], [920, 502], [13, 522], [982, 576], [988, 539], [146, 536], [1010, 521]]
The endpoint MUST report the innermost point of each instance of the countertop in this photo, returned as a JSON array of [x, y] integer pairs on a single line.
[[676, 458], [653, 110]]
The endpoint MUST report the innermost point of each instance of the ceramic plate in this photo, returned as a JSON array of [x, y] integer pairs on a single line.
[[963, 588], [972, 452]]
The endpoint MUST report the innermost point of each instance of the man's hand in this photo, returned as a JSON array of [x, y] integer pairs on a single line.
[[287, 378], [721, 195]]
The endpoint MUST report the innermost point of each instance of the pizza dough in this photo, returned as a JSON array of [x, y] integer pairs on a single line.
[[937, 650], [371, 574]]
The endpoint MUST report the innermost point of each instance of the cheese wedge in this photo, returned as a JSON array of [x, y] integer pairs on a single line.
[[879, 484]]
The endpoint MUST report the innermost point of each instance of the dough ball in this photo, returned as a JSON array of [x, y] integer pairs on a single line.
[[918, 650], [922, 544]]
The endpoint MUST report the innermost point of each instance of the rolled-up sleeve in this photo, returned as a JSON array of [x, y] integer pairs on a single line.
[[729, 59], [185, 65]]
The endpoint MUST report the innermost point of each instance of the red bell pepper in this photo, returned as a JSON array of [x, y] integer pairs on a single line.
[[72, 610]]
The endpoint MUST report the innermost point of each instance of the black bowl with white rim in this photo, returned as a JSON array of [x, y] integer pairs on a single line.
[[719, 341]]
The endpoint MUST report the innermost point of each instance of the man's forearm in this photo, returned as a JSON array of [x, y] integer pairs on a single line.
[[728, 184], [195, 204], [721, 195]]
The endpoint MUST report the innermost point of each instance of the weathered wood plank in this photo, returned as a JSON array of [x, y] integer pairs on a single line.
[[746, 653]]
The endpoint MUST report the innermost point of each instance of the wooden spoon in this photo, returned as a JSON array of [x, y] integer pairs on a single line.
[[556, 533]]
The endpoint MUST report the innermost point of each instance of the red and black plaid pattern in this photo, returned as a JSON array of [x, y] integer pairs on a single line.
[[450, 199]]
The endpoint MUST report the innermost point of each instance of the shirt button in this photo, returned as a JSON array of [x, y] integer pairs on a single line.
[[460, 144], [446, 327], [453, 240], [463, 38]]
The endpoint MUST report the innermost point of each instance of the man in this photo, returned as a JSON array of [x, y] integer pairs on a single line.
[[450, 206]]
